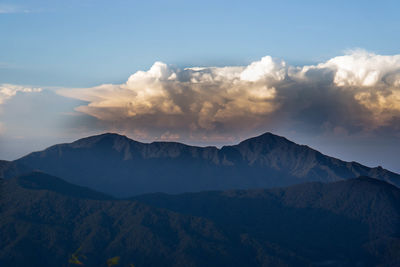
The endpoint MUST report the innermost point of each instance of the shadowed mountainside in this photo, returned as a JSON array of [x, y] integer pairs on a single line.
[[117, 165], [352, 222], [347, 223], [9, 169], [41, 226]]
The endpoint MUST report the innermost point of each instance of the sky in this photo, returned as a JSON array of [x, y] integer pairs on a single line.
[[321, 73]]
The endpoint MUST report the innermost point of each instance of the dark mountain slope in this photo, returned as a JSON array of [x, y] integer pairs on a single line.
[[41, 226], [356, 221], [9, 169], [117, 165], [348, 223], [42, 181]]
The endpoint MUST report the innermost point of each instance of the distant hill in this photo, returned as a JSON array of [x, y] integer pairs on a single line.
[[42, 181], [41, 226], [45, 221], [370, 202], [9, 169], [117, 165], [346, 223]]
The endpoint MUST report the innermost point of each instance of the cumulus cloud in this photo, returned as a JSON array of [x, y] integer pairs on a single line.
[[9, 90], [372, 80], [357, 92]]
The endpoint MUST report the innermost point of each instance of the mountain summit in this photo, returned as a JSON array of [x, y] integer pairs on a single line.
[[117, 165]]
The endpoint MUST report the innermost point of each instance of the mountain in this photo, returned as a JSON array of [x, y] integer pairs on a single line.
[[348, 223], [355, 222], [374, 203], [42, 181], [9, 169], [117, 165], [41, 226]]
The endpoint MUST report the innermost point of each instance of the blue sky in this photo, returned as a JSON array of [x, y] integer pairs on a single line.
[[84, 43], [75, 68]]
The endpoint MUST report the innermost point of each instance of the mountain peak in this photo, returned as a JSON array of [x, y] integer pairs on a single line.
[[105, 135], [101, 138], [267, 137]]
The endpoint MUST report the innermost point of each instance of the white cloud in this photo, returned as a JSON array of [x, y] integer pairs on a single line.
[[361, 68], [359, 91], [9, 90], [374, 81], [266, 68], [358, 68]]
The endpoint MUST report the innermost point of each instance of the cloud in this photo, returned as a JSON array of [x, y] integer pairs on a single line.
[[9, 90], [266, 68], [357, 92], [373, 81]]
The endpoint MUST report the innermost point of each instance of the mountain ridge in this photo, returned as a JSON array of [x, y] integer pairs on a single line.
[[120, 166], [37, 180]]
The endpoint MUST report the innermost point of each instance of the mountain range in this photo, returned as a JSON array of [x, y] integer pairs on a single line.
[[46, 221], [122, 167], [107, 200]]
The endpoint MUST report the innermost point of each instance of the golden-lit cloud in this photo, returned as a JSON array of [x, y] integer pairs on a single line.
[[373, 80], [359, 91]]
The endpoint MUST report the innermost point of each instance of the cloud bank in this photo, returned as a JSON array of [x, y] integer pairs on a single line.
[[358, 92], [9, 90]]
